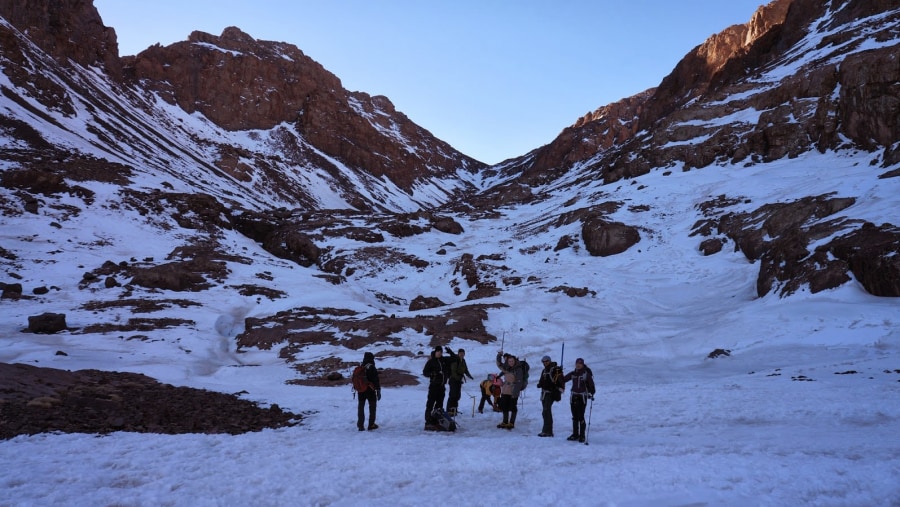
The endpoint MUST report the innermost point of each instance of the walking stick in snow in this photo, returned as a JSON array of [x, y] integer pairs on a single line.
[[588, 431]]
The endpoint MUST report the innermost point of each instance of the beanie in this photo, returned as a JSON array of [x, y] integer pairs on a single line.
[[579, 361], [545, 358]]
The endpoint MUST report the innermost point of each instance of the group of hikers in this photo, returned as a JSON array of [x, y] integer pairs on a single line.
[[500, 391]]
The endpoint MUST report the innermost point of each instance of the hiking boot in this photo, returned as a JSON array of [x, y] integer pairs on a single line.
[[373, 426], [510, 426], [451, 412], [573, 437], [480, 410], [504, 426], [581, 438], [360, 428], [542, 434]]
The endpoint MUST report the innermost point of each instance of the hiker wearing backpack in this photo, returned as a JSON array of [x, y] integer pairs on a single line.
[[515, 379], [582, 389], [368, 387], [552, 386], [438, 370], [458, 373]]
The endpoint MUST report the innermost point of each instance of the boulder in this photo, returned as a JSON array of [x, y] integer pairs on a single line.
[[47, 323], [602, 238]]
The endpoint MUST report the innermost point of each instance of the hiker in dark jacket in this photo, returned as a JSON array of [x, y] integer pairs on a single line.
[[551, 385], [458, 373], [372, 394], [513, 382], [438, 370], [582, 389]]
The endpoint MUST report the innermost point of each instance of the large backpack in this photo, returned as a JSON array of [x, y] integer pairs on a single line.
[[359, 379], [525, 368]]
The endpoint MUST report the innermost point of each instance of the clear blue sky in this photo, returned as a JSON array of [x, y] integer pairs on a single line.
[[494, 78]]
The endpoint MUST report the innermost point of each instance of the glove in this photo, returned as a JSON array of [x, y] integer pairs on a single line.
[[378, 395], [591, 396]]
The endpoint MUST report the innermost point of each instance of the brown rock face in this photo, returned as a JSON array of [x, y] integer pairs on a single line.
[[694, 73], [66, 29], [241, 83], [599, 130], [844, 92]]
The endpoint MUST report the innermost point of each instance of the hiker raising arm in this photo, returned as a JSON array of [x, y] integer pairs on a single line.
[[513, 382]]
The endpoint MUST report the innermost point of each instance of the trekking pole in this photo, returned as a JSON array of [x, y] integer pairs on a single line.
[[588, 431]]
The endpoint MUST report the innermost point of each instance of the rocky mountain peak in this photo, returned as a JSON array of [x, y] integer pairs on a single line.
[[65, 29], [241, 83]]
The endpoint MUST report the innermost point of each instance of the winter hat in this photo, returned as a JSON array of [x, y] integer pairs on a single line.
[[463, 351], [368, 357], [579, 361], [545, 359]]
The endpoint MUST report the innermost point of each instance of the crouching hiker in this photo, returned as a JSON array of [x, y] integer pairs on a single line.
[[582, 388], [487, 390], [552, 386], [368, 387], [514, 380]]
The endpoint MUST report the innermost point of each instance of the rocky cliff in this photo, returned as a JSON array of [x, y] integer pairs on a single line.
[[241, 83], [754, 76]]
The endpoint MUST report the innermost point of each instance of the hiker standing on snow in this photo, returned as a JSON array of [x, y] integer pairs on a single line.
[[458, 373], [551, 385], [513, 383], [372, 395], [438, 370], [582, 388]]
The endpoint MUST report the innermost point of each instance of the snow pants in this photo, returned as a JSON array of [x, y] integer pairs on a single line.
[[455, 395], [578, 404], [547, 412], [369, 396], [435, 400]]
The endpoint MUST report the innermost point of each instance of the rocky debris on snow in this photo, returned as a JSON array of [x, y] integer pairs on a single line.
[[574, 292], [424, 303], [298, 328], [779, 235], [38, 400], [718, 353]]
